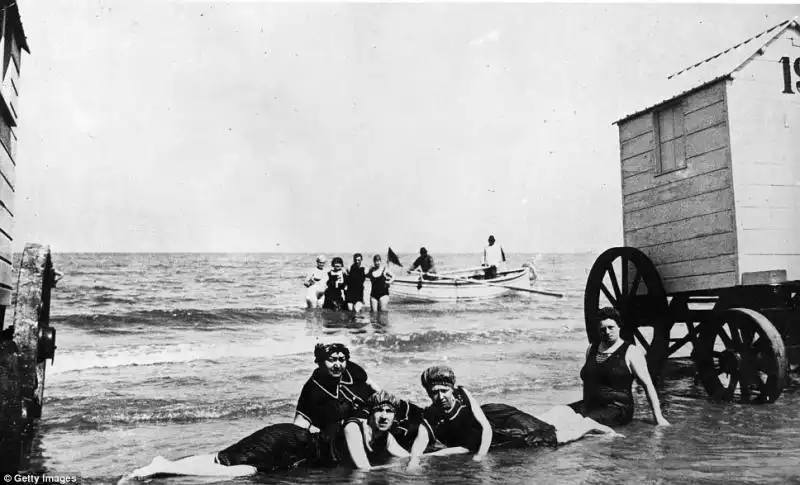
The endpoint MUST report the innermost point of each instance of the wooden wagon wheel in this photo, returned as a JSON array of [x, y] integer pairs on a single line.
[[625, 279], [741, 357]]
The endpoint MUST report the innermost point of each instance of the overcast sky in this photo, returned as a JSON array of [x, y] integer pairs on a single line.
[[340, 127]]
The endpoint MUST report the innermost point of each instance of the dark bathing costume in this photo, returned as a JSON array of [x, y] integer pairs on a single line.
[[354, 280], [511, 428], [325, 401], [328, 405], [607, 394], [286, 445], [379, 286], [334, 294]]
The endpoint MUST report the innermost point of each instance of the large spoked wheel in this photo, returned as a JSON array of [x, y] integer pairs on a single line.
[[625, 279], [742, 357]]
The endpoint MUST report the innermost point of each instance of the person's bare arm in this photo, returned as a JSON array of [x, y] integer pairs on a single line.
[[486, 433], [355, 446], [638, 366], [418, 447]]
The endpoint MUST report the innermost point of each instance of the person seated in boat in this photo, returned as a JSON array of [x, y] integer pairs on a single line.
[[334, 286], [380, 278], [316, 282], [336, 391], [354, 284], [455, 419], [608, 373], [493, 256], [425, 263]]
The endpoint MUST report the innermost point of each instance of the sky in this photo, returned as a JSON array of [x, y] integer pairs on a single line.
[[154, 126]]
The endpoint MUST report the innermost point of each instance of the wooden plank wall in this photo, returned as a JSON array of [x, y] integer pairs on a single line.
[[7, 180], [765, 144], [9, 95], [683, 220]]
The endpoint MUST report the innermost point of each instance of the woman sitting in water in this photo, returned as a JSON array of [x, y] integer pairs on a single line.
[[335, 392], [611, 365], [456, 420], [361, 443], [380, 278]]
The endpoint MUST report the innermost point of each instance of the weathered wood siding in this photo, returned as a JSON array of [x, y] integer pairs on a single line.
[[9, 95], [765, 147], [683, 220]]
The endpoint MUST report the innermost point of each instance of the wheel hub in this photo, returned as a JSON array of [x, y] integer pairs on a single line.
[[729, 361]]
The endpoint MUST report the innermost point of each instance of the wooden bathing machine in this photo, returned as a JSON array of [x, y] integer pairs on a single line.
[[26, 339], [710, 169], [711, 174]]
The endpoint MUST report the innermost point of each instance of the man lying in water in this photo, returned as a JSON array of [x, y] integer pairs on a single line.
[[455, 420], [360, 443]]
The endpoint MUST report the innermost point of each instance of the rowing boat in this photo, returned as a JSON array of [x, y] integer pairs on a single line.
[[456, 285]]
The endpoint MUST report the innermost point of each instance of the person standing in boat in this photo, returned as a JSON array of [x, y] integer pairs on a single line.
[[316, 283], [608, 374], [334, 289], [354, 284], [424, 262], [380, 278], [493, 256]]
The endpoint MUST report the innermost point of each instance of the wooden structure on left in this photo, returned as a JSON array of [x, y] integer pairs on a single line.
[[26, 338]]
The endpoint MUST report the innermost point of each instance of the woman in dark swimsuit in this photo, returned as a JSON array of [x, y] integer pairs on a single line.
[[334, 290], [611, 365], [381, 278], [364, 441], [337, 391], [455, 419], [354, 281], [361, 443]]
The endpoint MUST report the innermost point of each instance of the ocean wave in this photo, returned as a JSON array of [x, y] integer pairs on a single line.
[[177, 317], [126, 412], [175, 353], [431, 339]]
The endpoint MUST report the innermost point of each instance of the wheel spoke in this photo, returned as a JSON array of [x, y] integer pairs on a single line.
[[732, 385], [747, 377], [635, 286], [723, 335], [610, 298], [624, 277], [612, 275], [735, 336], [642, 340]]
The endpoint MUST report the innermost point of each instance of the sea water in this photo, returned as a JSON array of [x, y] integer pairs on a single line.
[[180, 354]]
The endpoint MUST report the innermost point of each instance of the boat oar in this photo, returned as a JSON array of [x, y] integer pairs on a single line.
[[510, 287]]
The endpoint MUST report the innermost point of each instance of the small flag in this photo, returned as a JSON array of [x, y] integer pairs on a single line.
[[392, 258]]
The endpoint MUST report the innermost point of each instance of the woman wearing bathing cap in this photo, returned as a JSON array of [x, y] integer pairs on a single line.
[[336, 391], [315, 282], [455, 419], [364, 441]]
